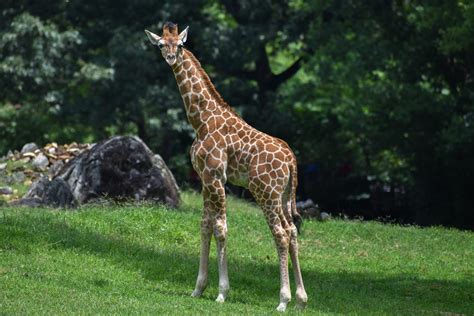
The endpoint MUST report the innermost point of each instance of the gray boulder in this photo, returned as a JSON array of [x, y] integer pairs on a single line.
[[27, 148], [40, 162]]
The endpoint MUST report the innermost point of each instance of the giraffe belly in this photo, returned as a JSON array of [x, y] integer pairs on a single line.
[[238, 176]]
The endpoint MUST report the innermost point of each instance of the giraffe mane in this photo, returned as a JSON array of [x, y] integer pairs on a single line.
[[207, 81]]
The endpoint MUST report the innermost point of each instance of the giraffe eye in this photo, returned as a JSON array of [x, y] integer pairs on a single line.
[[180, 45], [160, 45]]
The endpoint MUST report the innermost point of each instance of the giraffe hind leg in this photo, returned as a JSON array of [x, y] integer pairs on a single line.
[[301, 296], [271, 204], [278, 226]]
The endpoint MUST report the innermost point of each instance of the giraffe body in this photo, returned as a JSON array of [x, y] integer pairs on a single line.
[[226, 148]]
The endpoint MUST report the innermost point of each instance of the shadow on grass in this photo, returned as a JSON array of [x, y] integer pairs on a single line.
[[253, 282]]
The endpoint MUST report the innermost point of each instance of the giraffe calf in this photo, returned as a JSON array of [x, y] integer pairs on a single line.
[[226, 148]]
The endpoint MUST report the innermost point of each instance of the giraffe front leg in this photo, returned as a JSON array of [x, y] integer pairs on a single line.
[[220, 234], [201, 282], [211, 165]]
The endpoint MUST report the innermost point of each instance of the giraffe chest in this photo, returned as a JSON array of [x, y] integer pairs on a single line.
[[215, 156]]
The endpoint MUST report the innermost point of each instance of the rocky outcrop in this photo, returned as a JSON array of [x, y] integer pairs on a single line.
[[19, 169], [121, 168], [55, 193]]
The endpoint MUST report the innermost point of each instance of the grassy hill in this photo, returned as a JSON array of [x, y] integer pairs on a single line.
[[144, 260]]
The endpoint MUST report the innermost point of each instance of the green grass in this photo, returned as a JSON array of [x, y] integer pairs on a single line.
[[144, 260]]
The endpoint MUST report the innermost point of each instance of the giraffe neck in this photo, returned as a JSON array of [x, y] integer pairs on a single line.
[[200, 97]]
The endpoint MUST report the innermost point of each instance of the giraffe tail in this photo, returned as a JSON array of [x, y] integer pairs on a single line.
[[296, 217]]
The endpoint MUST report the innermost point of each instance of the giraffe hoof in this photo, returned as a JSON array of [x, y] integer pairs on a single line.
[[301, 300], [300, 305], [220, 298], [196, 293], [281, 307]]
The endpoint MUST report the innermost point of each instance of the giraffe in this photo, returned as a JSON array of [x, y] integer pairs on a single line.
[[226, 148]]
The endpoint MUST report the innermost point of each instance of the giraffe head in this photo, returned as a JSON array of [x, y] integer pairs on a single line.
[[170, 43]]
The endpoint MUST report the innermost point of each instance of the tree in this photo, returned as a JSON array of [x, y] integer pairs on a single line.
[[375, 97]]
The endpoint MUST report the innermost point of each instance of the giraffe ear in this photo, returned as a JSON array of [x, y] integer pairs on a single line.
[[154, 39], [183, 35]]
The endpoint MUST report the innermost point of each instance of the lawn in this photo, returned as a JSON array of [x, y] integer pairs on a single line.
[[144, 260]]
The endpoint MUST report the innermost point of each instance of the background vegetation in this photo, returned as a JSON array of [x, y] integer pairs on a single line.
[[144, 260], [375, 97]]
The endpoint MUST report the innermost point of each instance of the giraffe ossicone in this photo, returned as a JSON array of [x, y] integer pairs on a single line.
[[226, 148]]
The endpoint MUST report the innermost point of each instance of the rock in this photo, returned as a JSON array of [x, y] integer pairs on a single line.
[[41, 162], [30, 147], [25, 159], [308, 209], [324, 216], [37, 188], [29, 155], [57, 193], [55, 168], [6, 191], [28, 202], [17, 177], [120, 168], [3, 166], [310, 212], [305, 204], [172, 198]]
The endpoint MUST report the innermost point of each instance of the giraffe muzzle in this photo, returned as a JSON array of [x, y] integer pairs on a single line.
[[170, 59]]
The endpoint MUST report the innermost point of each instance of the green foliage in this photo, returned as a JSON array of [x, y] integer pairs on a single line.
[[144, 260], [384, 89], [35, 57], [33, 63], [41, 72]]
